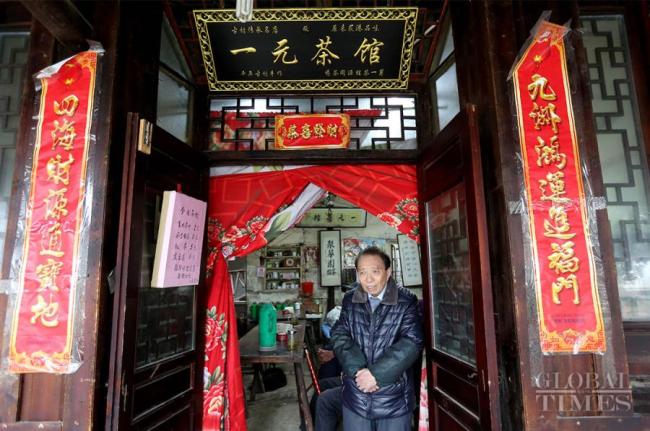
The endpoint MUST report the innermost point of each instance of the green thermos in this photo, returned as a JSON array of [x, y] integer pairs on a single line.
[[268, 327]]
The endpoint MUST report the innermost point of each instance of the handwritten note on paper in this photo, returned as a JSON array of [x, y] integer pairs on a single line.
[[180, 241]]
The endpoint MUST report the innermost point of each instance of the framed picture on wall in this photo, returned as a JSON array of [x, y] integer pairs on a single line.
[[333, 217], [330, 257], [409, 257]]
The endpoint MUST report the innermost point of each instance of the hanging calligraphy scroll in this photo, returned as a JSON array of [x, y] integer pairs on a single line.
[[330, 257], [312, 131], [568, 303], [50, 273]]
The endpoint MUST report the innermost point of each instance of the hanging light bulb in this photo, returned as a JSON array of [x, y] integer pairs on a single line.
[[244, 10]]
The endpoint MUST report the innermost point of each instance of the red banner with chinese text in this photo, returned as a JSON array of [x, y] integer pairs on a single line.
[[312, 131], [42, 325], [568, 305]]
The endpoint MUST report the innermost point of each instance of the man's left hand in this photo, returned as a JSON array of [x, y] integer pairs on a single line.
[[366, 381]]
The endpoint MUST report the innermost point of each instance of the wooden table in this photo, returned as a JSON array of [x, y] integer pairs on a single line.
[[250, 354]]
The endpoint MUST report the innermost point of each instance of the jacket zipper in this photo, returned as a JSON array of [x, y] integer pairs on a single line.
[[372, 344]]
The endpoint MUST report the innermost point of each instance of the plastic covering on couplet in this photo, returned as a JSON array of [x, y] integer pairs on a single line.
[[45, 318], [564, 276]]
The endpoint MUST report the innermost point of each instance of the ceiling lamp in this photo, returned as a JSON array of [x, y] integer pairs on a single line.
[[244, 10]]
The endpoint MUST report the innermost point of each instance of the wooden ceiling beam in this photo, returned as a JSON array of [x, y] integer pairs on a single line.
[[63, 20]]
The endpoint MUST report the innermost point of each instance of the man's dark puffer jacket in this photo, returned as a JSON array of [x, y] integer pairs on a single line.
[[387, 342]]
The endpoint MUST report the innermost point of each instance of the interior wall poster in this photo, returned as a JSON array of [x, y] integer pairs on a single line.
[[409, 256], [330, 257], [562, 268]]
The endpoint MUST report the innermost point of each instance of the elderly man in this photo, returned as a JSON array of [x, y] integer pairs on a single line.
[[377, 339]]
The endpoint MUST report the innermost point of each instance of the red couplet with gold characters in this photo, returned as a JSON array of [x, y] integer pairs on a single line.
[[312, 131], [568, 305], [42, 327]]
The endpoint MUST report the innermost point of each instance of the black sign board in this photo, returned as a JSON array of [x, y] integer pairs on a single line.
[[307, 49]]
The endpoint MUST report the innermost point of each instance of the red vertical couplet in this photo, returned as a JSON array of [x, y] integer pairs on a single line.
[[41, 332], [569, 311]]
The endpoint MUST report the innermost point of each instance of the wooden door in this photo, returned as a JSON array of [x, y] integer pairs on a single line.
[[461, 350], [155, 367]]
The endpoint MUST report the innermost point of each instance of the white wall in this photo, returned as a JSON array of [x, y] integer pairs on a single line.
[[309, 236]]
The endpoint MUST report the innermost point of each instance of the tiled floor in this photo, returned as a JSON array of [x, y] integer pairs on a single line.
[[275, 410]]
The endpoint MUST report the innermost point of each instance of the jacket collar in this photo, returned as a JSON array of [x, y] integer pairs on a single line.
[[390, 297]]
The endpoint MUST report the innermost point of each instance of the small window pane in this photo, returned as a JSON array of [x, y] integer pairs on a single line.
[[447, 103], [13, 59], [448, 49], [170, 52], [621, 148], [450, 275], [173, 106]]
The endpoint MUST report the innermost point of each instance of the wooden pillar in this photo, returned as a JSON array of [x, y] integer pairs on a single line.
[[48, 401]]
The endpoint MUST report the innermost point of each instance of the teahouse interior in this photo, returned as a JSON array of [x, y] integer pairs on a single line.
[[452, 123]]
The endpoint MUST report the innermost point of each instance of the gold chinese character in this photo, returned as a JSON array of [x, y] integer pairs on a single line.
[[545, 116], [570, 282], [540, 88], [333, 130], [558, 226], [46, 312], [68, 106], [555, 183], [323, 54], [305, 131], [55, 203], [563, 259], [247, 50], [281, 53], [319, 130], [63, 135], [53, 242], [370, 50], [292, 132], [47, 274], [58, 171], [549, 154]]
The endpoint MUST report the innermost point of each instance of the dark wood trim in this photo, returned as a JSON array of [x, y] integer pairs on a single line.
[[117, 370], [30, 426], [63, 20], [486, 352], [325, 157], [82, 393]]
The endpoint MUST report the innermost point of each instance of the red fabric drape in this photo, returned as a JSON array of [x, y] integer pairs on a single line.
[[239, 209]]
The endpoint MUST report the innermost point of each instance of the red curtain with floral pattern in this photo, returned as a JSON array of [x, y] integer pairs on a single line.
[[240, 208]]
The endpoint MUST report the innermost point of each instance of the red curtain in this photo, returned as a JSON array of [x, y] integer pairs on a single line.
[[239, 209]]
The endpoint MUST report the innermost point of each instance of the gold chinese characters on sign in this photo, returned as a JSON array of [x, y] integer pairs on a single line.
[[307, 49]]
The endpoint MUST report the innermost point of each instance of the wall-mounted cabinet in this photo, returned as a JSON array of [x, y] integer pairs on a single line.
[[283, 267]]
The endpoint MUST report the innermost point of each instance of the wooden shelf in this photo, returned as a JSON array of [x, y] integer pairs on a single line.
[[269, 260], [283, 267]]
